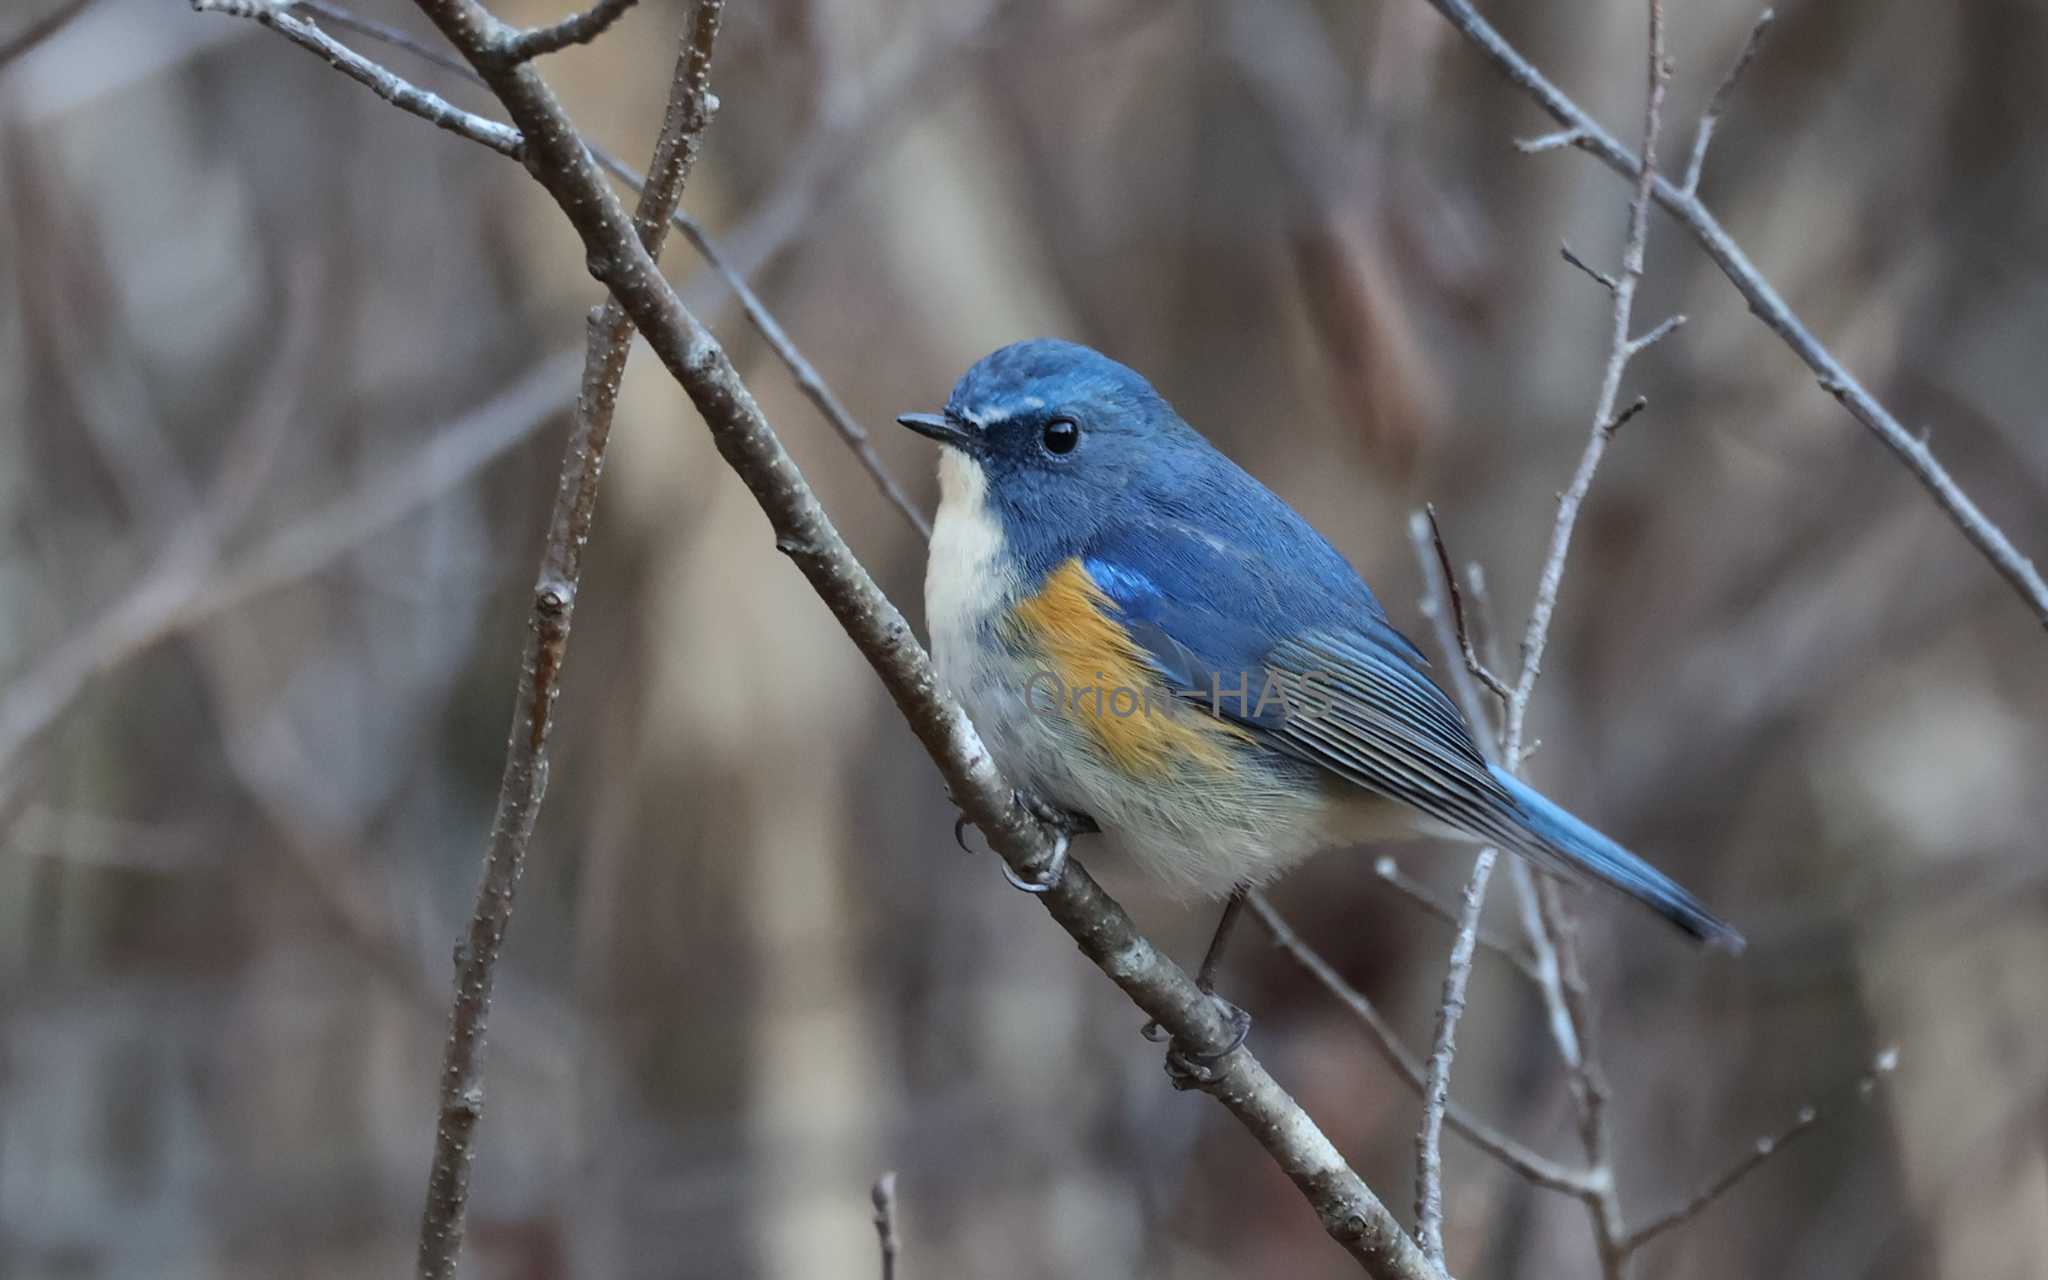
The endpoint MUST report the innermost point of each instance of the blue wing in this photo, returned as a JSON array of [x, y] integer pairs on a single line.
[[1298, 652], [1223, 626]]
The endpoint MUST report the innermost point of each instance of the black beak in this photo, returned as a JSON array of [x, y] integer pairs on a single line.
[[938, 427]]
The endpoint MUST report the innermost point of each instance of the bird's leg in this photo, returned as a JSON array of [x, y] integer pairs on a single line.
[[1192, 1070], [1212, 959]]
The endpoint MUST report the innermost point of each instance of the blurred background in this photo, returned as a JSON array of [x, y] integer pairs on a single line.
[[284, 380]]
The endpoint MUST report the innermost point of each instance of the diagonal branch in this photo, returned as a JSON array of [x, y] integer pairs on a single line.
[[1540, 1170], [1760, 1152], [39, 30], [1711, 118], [400, 93], [1835, 378], [808, 380], [524, 781], [557, 157], [806, 375], [1390, 872], [579, 28]]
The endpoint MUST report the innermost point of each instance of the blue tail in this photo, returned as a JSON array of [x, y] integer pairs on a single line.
[[1559, 837]]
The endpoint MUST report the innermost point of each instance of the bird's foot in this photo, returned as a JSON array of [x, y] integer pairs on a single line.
[[1065, 825], [1047, 873], [1190, 1070], [1068, 821]]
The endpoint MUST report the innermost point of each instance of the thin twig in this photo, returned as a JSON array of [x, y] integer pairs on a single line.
[[524, 781], [1763, 299], [1637, 346], [385, 33], [1761, 1151], [1436, 1085], [1548, 142], [1436, 1093], [800, 368], [808, 380], [179, 592], [884, 1196], [1390, 872], [579, 28], [41, 29], [1480, 671], [1589, 1086], [1704, 137], [1538, 1169], [400, 93], [1600, 277], [557, 157]]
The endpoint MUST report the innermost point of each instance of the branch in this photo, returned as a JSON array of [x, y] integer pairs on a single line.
[[1764, 301], [524, 781], [177, 593], [39, 30], [1436, 1092], [1719, 102], [1426, 898], [557, 158], [805, 374], [1449, 582], [1809, 1116], [884, 1196], [1538, 1169], [800, 368], [579, 28], [1588, 1084], [400, 93]]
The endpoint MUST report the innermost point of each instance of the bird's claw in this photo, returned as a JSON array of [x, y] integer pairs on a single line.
[[1189, 1070], [1047, 874], [1064, 824]]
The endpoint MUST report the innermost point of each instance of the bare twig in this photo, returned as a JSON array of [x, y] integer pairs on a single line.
[[1548, 142], [579, 28], [1719, 102], [1623, 287], [182, 590], [524, 780], [1637, 346], [1538, 1169], [806, 375], [41, 29], [1480, 671], [1436, 1093], [1589, 1086], [884, 1196], [1600, 277], [1764, 301], [1431, 903], [385, 33], [557, 157], [1761, 1151], [400, 93]]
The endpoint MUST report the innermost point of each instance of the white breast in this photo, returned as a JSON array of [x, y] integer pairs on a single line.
[[967, 578]]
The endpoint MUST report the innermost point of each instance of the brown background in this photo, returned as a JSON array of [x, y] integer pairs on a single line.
[[749, 969]]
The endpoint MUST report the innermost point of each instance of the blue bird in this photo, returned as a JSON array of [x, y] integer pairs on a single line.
[[1150, 641]]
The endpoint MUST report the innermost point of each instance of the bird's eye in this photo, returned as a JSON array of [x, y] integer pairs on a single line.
[[1061, 435]]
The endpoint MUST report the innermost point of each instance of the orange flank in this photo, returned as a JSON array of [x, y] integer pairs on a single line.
[[1104, 684]]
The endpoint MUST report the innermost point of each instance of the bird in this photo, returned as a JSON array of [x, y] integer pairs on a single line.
[[1152, 643]]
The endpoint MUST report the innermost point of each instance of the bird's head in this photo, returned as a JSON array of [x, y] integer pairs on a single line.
[[1051, 437]]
